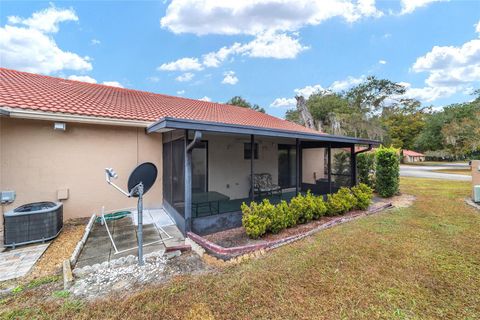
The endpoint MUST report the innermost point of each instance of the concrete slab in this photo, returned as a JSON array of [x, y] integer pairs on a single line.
[[18, 262], [99, 249]]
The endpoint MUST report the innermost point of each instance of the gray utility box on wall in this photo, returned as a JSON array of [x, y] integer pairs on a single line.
[[33, 222]]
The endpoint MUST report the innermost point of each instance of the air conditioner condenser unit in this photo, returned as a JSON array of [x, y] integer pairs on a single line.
[[476, 193]]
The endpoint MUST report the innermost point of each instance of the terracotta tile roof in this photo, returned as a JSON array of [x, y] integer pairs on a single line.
[[29, 91], [412, 153]]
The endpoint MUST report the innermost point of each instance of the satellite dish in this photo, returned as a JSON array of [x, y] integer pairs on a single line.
[[146, 173]]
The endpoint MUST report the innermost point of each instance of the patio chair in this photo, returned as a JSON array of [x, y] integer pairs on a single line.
[[263, 185]]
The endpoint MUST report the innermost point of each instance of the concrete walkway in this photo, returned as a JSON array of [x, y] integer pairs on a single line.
[[418, 171], [99, 248], [16, 263]]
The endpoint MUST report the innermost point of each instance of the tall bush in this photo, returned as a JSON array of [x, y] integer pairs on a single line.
[[387, 171], [366, 168]]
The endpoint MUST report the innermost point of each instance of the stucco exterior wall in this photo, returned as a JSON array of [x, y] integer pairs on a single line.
[[229, 172], [37, 161]]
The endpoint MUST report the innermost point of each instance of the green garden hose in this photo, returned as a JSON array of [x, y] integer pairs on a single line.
[[114, 216]]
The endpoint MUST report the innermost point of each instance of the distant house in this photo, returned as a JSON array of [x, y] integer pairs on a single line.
[[57, 136], [410, 156]]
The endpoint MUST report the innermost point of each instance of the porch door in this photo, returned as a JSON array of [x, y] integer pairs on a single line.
[[287, 173], [200, 168]]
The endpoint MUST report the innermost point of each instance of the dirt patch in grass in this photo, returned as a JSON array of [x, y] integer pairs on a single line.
[[61, 248]]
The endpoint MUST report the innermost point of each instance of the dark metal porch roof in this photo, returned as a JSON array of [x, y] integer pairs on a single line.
[[166, 124]]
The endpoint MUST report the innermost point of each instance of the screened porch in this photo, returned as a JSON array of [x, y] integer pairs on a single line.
[[225, 170]]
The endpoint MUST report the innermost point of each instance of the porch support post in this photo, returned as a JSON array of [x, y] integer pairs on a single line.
[[353, 162], [252, 156], [329, 168], [297, 166], [188, 178]]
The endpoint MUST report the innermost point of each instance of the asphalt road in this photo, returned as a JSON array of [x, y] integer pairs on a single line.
[[426, 172]]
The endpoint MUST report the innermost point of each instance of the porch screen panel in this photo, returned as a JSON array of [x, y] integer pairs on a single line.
[[341, 168], [287, 174], [314, 175], [174, 174], [167, 172], [178, 175]]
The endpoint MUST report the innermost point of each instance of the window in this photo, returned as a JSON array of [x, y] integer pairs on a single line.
[[247, 151]]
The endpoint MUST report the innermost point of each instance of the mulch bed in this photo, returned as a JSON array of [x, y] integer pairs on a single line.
[[61, 248], [237, 237]]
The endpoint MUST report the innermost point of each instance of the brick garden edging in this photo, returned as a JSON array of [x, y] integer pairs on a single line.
[[233, 252]]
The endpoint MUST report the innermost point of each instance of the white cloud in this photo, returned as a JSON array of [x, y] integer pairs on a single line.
[[26, 44], [450, 70], [408, 6], [382, 61], [266, 45], [205, 99], [283, 103], [477, 28], [309, 90], [257, 16], [230, 78], [274, 45], [428, 94], [82, 78], [341, 85], [272, 23], [95, 42], [46, 20], [445, 57], [184, 64], [181, 92], [89, 79], [185, 77], [306, 92], [113, 84]]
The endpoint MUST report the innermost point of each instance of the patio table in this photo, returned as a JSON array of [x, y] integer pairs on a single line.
[[208, 199]]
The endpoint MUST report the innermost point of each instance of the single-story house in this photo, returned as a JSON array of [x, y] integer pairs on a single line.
[[410, 156], [57, 136]]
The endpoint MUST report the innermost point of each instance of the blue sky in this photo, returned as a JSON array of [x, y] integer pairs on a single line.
[[272, 49]]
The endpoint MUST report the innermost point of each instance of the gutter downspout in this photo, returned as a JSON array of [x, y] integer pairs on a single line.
[[188, 179], [370, 147]]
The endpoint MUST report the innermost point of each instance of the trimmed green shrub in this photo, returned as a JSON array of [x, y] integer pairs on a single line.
[[366, 168], [317, 204], [283, 210], [364, 195], [275, 214], [255, 224], [349, 199], [340, 202], [387, 171], [300, 205]]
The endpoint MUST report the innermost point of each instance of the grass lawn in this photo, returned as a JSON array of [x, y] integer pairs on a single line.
[[421, 262], [465, 172]]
